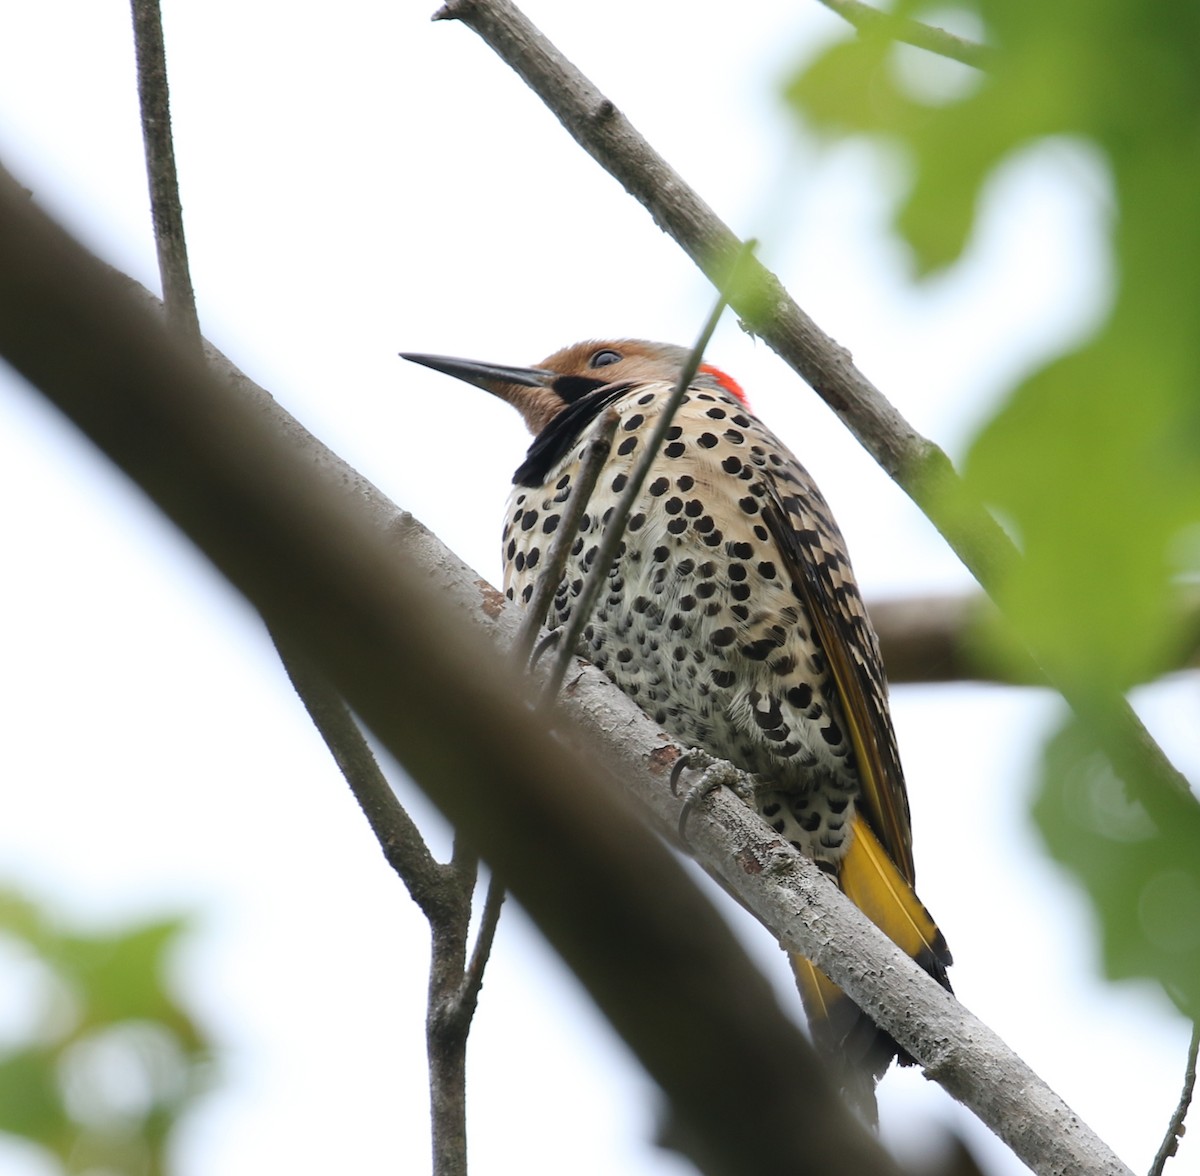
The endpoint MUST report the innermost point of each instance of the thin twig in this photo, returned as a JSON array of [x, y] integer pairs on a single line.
[[912, 32], [582, 611], [1175, 1128], [402, 844], [581, 492], [443, 893], [489, 919], [398, 836], [166, 208]]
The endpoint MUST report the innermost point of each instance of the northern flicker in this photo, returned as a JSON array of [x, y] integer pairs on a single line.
[[732, 617]]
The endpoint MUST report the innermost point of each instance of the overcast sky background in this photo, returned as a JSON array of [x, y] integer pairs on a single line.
[[368, 182]]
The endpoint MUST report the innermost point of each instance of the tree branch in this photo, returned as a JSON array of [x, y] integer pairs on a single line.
[[912, 32], [1175, 1128], [916, 464], [443, 893], [313, 544], [398, 836], [292, 531], [927, 639], [166, 209], [489, 918]]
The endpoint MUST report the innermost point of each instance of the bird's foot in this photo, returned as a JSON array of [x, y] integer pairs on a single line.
[[547, 643], [713, 774]]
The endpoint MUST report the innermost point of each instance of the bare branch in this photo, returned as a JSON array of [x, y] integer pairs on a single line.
[[292, 531], [935, 638], [1175, 1128], [443, 893], [314, 543], [917, 465], [489, 919], [165, 205], [912, 32], [398, 837], [445, 1028], [927, 639]]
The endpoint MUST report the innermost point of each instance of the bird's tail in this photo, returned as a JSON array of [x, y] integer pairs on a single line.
[[858, 1050]]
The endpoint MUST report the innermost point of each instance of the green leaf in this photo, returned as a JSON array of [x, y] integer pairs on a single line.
[[1142, 873], [1093, 462], [56, 1088], [123, 975], [31, 1102]]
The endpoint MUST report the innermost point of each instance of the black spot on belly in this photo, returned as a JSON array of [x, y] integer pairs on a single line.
[[832, 734], [760, 650]]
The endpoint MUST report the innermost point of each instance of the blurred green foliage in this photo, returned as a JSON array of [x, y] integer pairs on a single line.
[[1093, 461], [102, 1059]]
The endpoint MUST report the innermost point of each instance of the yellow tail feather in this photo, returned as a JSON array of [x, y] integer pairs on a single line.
[[817, 991], [847, 1037], [871, 880]]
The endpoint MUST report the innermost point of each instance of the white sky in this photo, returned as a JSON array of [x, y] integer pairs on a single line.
[[365, 183]]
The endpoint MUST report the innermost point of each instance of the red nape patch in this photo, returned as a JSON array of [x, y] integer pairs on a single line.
[[727, 382]]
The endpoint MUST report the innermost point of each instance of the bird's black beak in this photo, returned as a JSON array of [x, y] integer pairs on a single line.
[[483, 375]]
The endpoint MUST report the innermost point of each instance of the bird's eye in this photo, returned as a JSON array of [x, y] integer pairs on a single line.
[[604, 358]]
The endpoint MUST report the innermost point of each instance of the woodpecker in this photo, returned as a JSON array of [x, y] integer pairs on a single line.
[[733, 619]]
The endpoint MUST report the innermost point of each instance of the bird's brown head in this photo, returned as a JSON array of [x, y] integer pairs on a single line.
[[540, 393]]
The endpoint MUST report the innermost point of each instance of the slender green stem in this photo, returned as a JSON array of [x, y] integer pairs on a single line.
[[621, 512], [593, 462]]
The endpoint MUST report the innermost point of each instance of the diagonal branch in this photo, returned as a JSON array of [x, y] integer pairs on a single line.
[[380, 607], [398, 836], [295, 532], [489, 918], [917, 465], [912, 32], [1175, 1128]]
